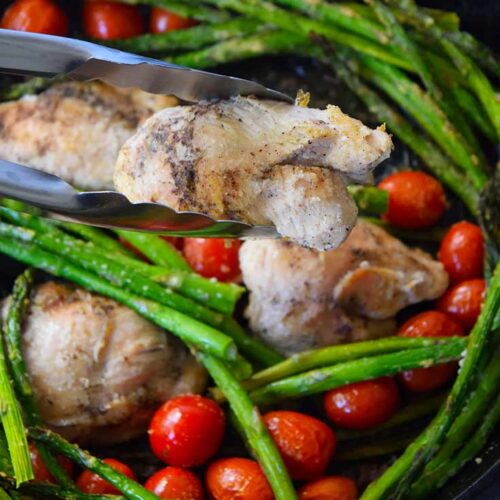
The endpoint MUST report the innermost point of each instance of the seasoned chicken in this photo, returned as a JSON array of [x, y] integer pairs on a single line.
[[75, 130], [301, 298], [261, 162], [98, 369]]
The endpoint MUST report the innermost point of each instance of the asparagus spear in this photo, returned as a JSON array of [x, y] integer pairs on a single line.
[[454, 123], [130, 488], [11, 416], [96, 236], [189, 39], [329, 356], [192, 10], [192, 332], [300, 25], [18, 304], [398, 478], [423, 108], [157, 250], [469, 419], [472, 108], [370, 199], [323, 379], [470, 72], [250, 422], [237, 49], [476, 50], [219, 296], [447, 20], [472, 447]]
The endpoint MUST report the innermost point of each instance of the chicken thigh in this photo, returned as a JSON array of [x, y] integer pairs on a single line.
[[302, 299], [98, 369], [75, 130], [257, 161]]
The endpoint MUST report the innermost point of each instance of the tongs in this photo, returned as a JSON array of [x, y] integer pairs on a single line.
[[43, 55]]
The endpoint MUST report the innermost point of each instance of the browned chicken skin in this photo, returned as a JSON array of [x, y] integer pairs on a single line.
[[98, 369], [301, 298], [75, 130], [257, 161]]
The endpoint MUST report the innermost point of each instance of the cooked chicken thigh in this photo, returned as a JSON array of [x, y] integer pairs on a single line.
[[301, 298], [256, 161], [98, 369], [75, 130]]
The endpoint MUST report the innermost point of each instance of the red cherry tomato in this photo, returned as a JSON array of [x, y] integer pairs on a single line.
[[330, 488], [174, 482], [89, 482], [163, 20], [186, 431], [213, 257], [106, 20], [37, 16], [429, 324], [237, 478], [463, 302], [362, 405], [40, 470], [305, 443], [416, 200], [462, 252]]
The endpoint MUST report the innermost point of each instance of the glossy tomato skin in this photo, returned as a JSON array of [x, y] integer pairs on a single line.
[[330, 488], [462, 252], [89, 482], [163, 20], [305, 443], [429, 324], [463, 302], [107, 20], [416, 200], [363, 405], [213, 257], [36, 16], [40, 470], [241, 478], [174, 482], [186, 431]]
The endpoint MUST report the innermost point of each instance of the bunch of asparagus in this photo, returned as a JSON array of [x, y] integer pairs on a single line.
[[75, 253]]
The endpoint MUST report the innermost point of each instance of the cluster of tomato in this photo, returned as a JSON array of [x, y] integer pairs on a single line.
[[187, 431], [417, 201], [104, 20]]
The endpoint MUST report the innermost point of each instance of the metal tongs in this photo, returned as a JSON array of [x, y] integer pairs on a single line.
[[43, 55]]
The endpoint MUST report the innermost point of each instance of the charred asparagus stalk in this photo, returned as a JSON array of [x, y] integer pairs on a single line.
[[12, 335]]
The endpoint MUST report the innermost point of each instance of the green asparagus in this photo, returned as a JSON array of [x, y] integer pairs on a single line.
[[323, 379], [130, 488]]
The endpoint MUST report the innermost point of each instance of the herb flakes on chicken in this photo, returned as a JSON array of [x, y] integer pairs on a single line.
[[257, 161]]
